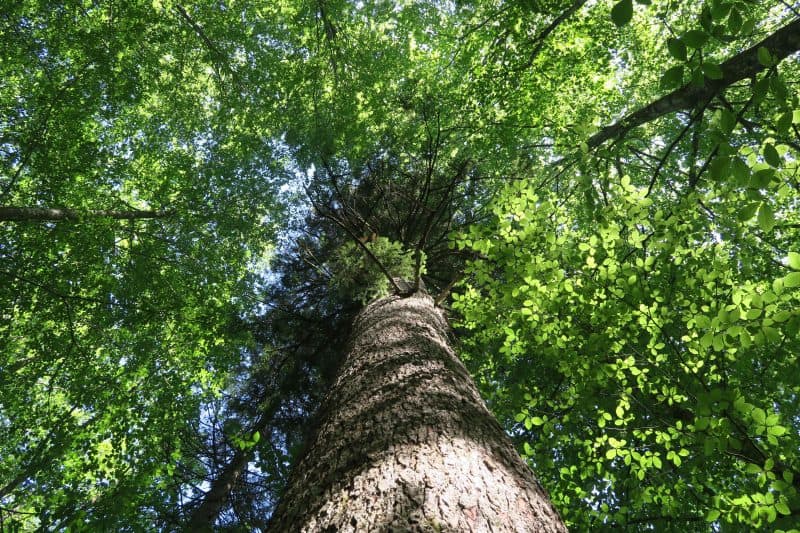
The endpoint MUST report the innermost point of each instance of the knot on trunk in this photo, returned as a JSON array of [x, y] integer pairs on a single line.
[[407, 287]]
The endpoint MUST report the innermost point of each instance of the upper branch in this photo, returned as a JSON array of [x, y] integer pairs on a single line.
[[780, 44], [29, 214]]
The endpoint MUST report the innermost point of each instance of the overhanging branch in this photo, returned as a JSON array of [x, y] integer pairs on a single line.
[[43, 214], [780, 44]]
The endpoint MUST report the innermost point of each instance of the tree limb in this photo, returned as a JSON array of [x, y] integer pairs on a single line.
[[542, 37], [30, 214], [780, 44]]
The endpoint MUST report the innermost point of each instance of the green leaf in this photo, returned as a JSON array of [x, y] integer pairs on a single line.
[[712, 515], [734, 21], [782, 508], [760, 89], [762, 178], [677, 49], [712, 71], [764, 57], [766, 217], [528, 449], [771, 155], [672, 78], [792, 280], [622, 12], [752, 314], [747, 212], [719, 10], [752, 468], [776, 430], [784, 123], [794, 260], [695, 38], [727, 121]]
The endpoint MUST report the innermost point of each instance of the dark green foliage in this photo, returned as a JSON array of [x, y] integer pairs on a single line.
[[356, 276]]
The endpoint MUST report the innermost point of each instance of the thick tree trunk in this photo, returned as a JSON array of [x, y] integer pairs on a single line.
[[405, 442]]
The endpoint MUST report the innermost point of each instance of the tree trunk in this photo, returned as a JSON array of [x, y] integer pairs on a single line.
[[204, 516], [405, 442]]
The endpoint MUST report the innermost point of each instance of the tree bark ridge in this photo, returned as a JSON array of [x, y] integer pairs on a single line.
[[405, 442]]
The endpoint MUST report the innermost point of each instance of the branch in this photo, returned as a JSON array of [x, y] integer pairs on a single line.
[[207, 512], [198, 30], [365, 248], [446, 291], [550, 29], [30, 214], [780, 44], [333, 218]]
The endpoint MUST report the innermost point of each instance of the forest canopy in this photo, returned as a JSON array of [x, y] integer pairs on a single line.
[[196, 198]]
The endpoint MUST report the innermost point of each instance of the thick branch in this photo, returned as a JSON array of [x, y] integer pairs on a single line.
[[30, 214], [780, 44]]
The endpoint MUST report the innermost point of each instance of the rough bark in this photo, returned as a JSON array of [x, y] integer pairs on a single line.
[[405, 442], [30, 214], [781, 44]]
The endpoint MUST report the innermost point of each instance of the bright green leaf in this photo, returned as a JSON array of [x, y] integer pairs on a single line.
[[794, 260], [766, 217], [792, 280], [782, 508]]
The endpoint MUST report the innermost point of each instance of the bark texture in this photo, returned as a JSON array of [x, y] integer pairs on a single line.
[[405, 442]]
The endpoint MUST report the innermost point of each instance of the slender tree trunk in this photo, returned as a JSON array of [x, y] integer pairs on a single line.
[[29, 214], [207, 511], [206, 514], [405, 442]]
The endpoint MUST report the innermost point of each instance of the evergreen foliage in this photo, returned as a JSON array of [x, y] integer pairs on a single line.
[[356, 275]]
